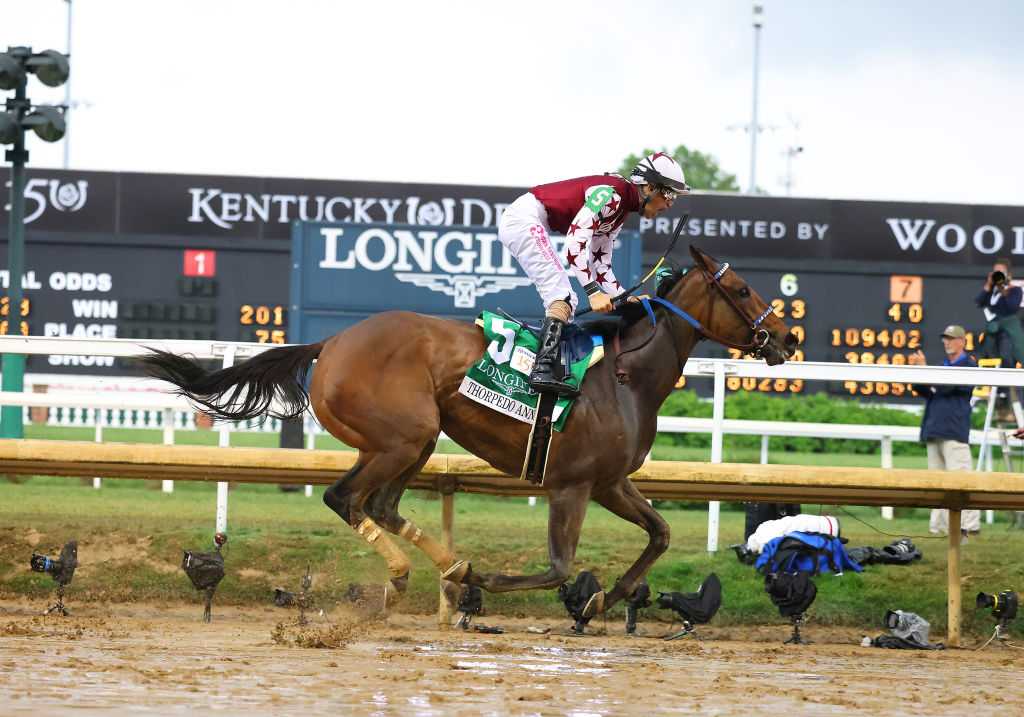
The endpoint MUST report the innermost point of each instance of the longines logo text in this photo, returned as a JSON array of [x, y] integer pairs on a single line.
[[225, 209], [462, 265]]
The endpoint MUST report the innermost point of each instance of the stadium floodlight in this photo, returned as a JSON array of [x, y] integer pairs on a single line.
[[18, 114], [47, 122], [12, 72], [50, 66]]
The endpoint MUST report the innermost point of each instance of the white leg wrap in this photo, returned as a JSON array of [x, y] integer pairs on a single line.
[[440, 555], [398, 562]]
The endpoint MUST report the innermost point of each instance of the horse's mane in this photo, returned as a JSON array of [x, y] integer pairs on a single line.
[[629, 314]]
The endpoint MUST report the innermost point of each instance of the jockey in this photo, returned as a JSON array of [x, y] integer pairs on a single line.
[[590, 212]]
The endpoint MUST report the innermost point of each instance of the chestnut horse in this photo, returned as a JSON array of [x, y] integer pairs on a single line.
[[388, 385]]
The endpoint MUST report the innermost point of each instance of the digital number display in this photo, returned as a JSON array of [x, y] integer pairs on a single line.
[[260, 318], [862, 316], [6, 325]]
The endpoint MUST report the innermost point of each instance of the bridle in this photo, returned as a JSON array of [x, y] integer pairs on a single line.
[[759, 337]]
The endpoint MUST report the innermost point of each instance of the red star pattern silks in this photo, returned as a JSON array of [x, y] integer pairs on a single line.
[[613, 205], [599, 255], [600, 278], [571, 257], [572, 228]]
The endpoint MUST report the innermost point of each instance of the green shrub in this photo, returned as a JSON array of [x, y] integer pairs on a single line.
[[810, 408]]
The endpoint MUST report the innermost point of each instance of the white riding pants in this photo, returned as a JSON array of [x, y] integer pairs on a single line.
[[524, 231]]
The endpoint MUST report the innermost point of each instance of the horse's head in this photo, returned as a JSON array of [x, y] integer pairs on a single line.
[[732, 313]]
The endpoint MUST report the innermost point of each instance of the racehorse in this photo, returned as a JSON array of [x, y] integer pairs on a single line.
[[389, 384]]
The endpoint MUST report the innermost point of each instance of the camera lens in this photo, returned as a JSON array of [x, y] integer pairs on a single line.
[[998, 277]]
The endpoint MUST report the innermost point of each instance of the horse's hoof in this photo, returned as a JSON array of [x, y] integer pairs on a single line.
[[595, 605], [459, 570]]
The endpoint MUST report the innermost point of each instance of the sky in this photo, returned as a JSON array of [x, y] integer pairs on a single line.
[[912, 101]]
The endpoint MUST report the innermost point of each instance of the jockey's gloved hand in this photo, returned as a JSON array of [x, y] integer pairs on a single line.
[[600, 302]]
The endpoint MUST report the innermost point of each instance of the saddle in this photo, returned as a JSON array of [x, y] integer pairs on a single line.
[[577, 341]]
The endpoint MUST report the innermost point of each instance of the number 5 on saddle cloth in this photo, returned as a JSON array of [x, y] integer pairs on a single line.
[[499, 380]]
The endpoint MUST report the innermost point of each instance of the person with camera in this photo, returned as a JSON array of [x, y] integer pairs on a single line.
[[946, 425], [1000, 301]]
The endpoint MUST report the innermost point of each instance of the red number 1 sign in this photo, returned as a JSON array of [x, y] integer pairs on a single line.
[[200, 262]]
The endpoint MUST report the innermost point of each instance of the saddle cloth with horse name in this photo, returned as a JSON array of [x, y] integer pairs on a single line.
[[499, 379]]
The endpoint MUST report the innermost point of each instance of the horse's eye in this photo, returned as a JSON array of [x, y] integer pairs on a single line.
[[744, 292]]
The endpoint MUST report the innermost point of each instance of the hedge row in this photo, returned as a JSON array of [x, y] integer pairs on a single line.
[[809, 408]]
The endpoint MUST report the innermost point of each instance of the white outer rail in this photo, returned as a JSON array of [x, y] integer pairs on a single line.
[[718, 369]]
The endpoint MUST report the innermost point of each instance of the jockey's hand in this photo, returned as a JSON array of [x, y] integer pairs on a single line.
[[1019, 433], [600, 302]]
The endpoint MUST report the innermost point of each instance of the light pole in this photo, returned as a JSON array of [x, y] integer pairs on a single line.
[[67, 97], [51, 68], [754, 128]]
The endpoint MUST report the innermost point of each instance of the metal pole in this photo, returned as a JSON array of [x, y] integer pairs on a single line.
[[717, 418], [758, 10], [11, 425], [67, 100]]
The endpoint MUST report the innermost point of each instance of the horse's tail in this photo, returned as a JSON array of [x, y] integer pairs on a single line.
[[245, 391]]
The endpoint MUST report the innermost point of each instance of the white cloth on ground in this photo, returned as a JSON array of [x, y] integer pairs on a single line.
[[804, 523]]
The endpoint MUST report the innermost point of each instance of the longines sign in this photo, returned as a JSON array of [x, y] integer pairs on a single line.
[[343, 272], [732, 225]]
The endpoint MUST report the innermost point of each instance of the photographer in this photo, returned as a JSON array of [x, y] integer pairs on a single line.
[[1000, 302], [946, 425]]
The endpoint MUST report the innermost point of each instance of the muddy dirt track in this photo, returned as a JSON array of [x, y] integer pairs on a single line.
[[162, 660]]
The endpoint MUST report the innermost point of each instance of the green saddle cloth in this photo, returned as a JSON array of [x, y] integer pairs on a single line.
[[499, 379]]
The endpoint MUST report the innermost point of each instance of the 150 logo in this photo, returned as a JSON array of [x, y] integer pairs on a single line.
[[43, 193]]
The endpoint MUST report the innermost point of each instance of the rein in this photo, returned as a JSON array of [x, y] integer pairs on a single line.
[[759, 337]]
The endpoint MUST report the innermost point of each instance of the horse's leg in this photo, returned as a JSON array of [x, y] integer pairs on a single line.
[[567, 508], [625, 501], [347, 497], [382, 506]]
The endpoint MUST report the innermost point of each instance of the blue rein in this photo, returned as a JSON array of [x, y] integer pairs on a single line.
[[647, 301]]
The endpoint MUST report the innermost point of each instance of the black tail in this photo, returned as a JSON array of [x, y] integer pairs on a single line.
[[245, 391]]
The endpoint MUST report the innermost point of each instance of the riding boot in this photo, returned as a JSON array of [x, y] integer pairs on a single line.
[[547, 375]]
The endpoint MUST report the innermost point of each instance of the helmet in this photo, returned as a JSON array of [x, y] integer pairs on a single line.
[[661, 172]]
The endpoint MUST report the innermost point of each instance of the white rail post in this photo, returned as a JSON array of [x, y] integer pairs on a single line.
[[168, 416], [310, 445], [717, 417], [764, 449], [988, 425], [887, 513], [990, 515], [223, 440], [97, 482]]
